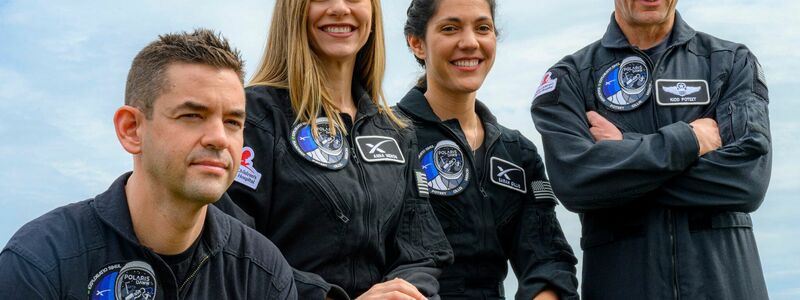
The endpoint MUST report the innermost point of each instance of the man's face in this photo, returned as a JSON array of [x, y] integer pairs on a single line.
[[644, 12], [192, 144]]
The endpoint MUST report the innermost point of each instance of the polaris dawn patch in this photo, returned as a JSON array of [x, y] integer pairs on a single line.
[[134, 280], [508, 175], [670, 92], [248, 175], [375, 148], [326, 149], [445, 168], [625, 85]]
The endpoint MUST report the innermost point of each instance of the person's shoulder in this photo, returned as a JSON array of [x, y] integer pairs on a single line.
[[705, 44], [64, 232], [245, 243], [264, 101], [516, 138]]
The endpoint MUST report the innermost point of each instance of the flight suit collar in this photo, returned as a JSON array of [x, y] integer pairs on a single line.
[[416, 106], [112, 208], [614, 38]]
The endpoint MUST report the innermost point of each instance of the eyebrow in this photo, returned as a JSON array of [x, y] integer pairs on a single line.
[[198, 107], [457, 19]]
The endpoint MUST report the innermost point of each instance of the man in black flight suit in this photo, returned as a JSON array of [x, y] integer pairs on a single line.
[[152, 234], [658, 135]]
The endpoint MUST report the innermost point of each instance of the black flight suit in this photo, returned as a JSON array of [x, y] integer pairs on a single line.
[[89, 250], [659, 222], [494, 210], [347, 217]]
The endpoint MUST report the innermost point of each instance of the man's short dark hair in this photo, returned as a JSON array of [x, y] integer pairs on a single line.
[[147, 78]]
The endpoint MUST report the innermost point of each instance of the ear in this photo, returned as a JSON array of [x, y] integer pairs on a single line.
[[417, 46], [128, 121]]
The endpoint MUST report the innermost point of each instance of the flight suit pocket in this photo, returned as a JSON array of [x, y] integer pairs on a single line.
[[425, 231], [544, 235], [745, 124]]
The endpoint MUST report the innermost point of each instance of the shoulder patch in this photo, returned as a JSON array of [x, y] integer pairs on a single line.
[[760, 81], [248, 175], [422, 184], [547, 92], [542, 190], [508, 175], [375, 148], [132, 280]]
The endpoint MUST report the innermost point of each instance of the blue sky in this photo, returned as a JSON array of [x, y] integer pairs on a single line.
[[63, 67]]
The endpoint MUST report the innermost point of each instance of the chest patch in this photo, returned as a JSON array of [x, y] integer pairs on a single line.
[[248, 175], [508, 175], [670, 92], [375, 148], [134, 280], [326, 149], [445, 168], [625, 85]]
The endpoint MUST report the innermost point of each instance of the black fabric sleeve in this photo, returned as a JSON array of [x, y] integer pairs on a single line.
[[588, 175], [255, 199], [22, 280], [539, 254], [735, 176], [420, 245]]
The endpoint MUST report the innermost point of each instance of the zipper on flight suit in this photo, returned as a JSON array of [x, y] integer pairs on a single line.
[[192, 275], [670, 218], [362, 180]]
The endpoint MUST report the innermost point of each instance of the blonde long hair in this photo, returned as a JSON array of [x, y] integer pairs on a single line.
[[289, 62]]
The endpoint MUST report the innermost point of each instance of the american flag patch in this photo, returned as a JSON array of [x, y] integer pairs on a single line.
[[542, 190], [422, 184]]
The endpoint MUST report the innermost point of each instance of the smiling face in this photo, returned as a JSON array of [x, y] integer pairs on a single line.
[[459, 45], [337, 29], [192, 144], [644, 12]]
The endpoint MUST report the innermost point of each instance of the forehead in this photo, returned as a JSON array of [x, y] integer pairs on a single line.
[[201, 83], [462, 9]]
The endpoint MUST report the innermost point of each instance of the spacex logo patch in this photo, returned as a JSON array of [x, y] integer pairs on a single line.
[[508, 175], [375, 148]]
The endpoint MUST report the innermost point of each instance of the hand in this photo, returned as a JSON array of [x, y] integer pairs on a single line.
[[707, 134], [546, 294], [602, 129], [395, 289]]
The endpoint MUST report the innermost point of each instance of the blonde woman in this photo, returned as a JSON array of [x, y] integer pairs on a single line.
[[327, 170]]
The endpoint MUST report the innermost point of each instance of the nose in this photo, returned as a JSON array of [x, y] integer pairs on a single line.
[[468, 41], [339, 8], [215, 136]]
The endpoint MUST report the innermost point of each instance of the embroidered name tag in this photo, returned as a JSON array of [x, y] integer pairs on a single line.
[[375, 148], [682, 92], [509, 175]]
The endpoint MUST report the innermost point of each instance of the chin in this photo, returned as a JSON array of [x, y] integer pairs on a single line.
[[205, 193]]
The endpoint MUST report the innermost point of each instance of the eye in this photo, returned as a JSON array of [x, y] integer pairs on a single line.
[[191, 116], [449, 28], [486, 28], [234, 123]]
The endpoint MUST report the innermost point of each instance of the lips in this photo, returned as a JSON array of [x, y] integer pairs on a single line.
[[211, 164], [338, 29], [468, 63]]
